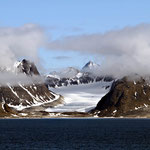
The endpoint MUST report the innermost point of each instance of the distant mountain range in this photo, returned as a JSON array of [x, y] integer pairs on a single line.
[[72, 76]]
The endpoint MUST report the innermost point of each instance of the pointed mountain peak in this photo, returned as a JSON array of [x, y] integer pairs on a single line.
[[90, 65], [26, 67]]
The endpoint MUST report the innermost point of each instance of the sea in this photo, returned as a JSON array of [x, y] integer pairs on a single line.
[[75, 134]]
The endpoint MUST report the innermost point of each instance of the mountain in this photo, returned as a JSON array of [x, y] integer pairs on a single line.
[[91, 67], [25, 96], [127, 98], [72, 76], [69, 72], [27, 68]]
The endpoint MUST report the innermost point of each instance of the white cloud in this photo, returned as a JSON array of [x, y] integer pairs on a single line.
[[9, 78], [126, 51], [62, 57], [20, 42]]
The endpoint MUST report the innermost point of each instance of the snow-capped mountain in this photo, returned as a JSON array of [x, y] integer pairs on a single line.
[[27, 68], [91, 67], [23, 95], [72, 76]]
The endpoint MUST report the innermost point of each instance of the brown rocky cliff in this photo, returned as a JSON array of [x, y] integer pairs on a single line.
[[124, 97]]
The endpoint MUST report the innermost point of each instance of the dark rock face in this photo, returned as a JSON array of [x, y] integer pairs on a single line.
[[6, 111], [125, 97], [28, 68]]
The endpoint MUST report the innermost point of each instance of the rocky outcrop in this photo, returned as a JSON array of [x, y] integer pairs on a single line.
[[27, 67], [125, 98]]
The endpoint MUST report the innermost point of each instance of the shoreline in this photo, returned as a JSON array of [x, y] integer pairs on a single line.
[[71, 117]]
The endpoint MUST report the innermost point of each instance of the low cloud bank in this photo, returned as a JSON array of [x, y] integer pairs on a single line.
[[8, 78], [125, 51]]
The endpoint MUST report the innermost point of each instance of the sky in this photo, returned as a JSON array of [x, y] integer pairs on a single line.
[[40, 25]]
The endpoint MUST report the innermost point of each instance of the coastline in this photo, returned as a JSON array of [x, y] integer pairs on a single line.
[[72, 117]]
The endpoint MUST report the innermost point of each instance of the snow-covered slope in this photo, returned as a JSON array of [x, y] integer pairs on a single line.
[[81, 98]]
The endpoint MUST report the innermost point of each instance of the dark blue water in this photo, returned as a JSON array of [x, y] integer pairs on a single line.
[[78, 134]]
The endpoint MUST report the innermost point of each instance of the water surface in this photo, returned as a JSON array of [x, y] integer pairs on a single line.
[[70, 134]]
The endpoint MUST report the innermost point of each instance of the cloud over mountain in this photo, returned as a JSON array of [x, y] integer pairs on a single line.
[[125, 51], [20, 42]]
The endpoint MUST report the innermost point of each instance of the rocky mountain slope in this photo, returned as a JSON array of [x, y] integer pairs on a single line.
[[22, 96], [72, 76], [127, 97]]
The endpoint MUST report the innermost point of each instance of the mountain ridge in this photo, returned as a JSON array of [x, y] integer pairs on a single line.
[[90, 72]]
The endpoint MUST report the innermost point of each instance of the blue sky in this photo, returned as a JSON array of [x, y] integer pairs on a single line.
[[73, 17]]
